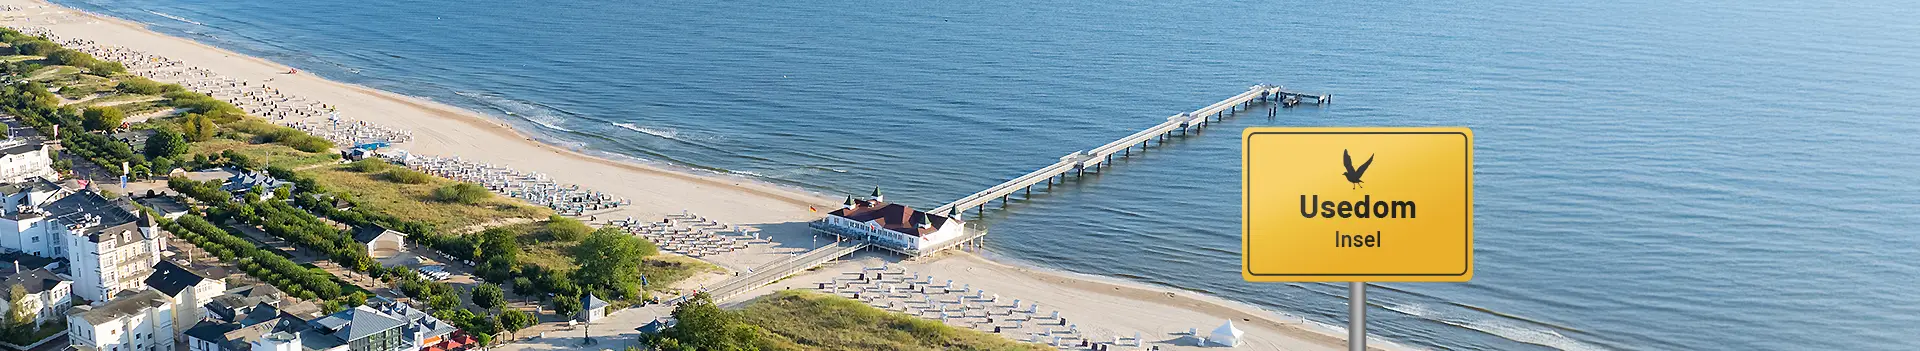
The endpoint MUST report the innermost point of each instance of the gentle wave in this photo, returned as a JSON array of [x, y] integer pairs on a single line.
[[526, 111], [666, 133], [1510, 331], [176, 18]]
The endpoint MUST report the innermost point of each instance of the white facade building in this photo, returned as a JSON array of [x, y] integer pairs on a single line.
[[24, 155], [141, 321], [112, 249], [891, 226], [47, 293], [191, 290], [23, 224]]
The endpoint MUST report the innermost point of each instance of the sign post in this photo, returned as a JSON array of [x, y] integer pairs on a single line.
[[1357, 316], [1357, 205]]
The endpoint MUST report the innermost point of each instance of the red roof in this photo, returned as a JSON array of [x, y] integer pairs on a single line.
[[895, 217]]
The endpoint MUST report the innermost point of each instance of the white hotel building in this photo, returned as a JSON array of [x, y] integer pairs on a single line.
[[138, 322], [894, 227], [111, 248], [24, 155]]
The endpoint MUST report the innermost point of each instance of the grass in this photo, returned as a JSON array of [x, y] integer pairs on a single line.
[[78, 86], [19, 58], [662, 270], [817, 321], [275, 154], [53, 327], [118, 100], [51, 73], [415, 202], [145, 107]]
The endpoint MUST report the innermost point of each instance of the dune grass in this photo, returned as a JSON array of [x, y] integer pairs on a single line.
[[275, 154], [18, 58], [661, 270], [51, 73], [817, 321], [415, 202]]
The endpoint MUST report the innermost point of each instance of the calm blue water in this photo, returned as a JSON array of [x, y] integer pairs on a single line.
[[1652, 174]]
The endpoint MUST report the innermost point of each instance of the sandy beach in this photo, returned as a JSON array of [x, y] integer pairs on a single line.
[[1112, 307]]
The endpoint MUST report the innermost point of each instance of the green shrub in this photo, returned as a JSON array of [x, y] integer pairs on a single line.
[[368, 166], [141, 85], [406, 176], [308, 143], [466, 193], [565, 229], [103, 118]]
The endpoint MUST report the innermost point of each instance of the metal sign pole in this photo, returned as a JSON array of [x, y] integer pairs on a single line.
[[1356, 316]]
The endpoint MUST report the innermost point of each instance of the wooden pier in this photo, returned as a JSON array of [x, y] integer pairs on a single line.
[[1076, 164], [1079, 162]]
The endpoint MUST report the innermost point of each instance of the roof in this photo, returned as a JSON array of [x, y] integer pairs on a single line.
[[593, 302], [136, 137], [240, 336], [892, 216], [419, 321], [357, 323], [97, 215], [170, 278], [247, 180], [219, 174], [121, 307], [166, 205], [26, 144], [211, 331], [34, 184], [34, 281], [367, 233], [21, 261]]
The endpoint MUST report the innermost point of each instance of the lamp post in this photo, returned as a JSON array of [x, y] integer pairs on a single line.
[[588, 332]]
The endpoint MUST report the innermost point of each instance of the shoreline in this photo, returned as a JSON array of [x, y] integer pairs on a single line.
[[442, 129]]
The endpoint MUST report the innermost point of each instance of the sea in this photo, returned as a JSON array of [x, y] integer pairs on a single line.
[[1650, 175]]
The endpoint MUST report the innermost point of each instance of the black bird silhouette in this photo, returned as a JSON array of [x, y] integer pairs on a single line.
[[1353, 174]]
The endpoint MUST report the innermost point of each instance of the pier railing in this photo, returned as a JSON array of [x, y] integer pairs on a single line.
[[1080, 161], [771, 272]]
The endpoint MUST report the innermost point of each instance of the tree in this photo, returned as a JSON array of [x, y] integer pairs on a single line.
[[489, 296], [566, 305], [198, 127], [102, 118], [444, 302], [515, 320], [610, 259], [19, 316], [163, 165], [242, 161], [332, 306], [166, 143], [704, 326]]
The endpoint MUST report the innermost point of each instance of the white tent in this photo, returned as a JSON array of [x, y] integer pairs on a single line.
[[1226, 335]]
